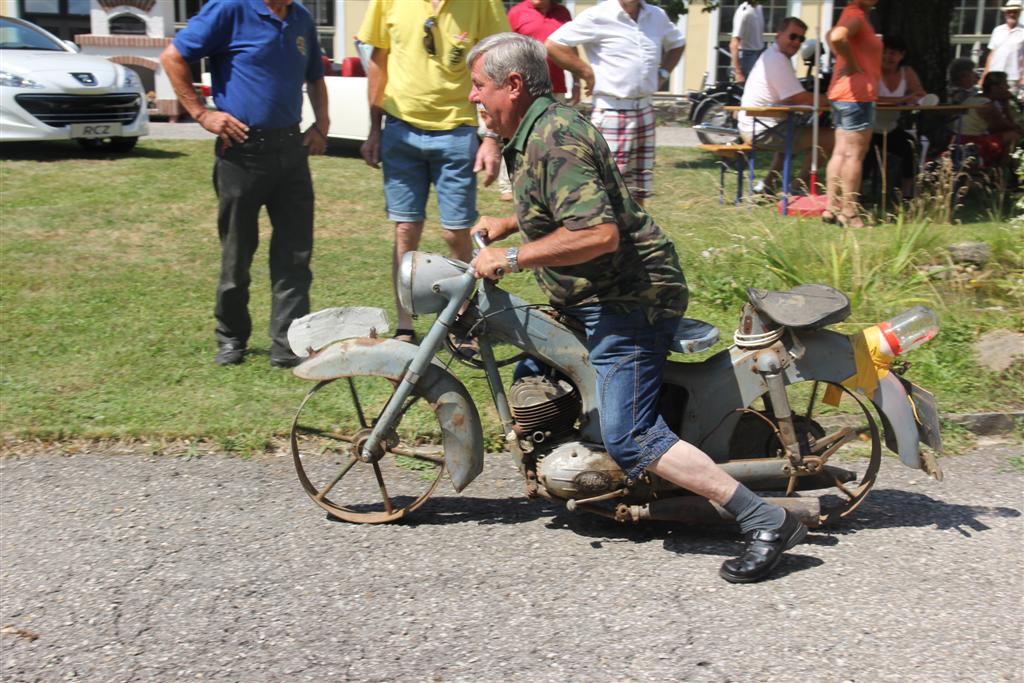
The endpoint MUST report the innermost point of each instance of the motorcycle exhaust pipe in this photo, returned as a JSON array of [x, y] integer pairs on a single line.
[[694, 509]]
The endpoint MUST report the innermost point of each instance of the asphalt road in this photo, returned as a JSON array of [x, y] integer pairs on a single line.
[[127, 566]]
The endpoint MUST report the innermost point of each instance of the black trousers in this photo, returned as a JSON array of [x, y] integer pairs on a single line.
[[269, 169]]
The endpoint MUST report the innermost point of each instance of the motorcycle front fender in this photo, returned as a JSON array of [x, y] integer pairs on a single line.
[[461, 433]]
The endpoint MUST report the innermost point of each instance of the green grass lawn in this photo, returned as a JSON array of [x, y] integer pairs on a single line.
[[109, 268]]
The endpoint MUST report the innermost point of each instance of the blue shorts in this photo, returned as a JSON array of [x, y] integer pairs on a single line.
[[413, 158], [629, 354], [853, 116]]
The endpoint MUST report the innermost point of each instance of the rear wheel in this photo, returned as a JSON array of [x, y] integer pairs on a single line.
[[845, 448], [711, 111]]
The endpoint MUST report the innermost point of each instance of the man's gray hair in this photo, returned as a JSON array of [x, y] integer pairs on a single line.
[[504, 53]]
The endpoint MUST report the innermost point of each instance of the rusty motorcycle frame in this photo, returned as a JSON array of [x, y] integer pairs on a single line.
[[387, 420]]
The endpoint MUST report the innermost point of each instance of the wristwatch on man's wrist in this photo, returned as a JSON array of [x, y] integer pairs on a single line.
[[492, 135], [512, 256], [664, 73]]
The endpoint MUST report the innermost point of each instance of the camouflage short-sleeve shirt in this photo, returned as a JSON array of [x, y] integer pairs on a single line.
[[564, 175]]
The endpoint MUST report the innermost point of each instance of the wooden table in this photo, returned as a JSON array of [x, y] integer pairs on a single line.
[[950, 108], [790, 112]]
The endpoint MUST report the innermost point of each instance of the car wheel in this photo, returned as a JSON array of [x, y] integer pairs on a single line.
[[116, 145]]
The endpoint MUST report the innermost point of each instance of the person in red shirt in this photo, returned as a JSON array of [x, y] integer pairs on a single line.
[[853, 93], [538, 19]]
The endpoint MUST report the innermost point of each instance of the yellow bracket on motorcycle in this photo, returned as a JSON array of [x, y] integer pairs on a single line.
[[871, 361]]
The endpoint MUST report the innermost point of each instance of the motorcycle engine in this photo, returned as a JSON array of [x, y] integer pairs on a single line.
[[543, 408], [577, 470]]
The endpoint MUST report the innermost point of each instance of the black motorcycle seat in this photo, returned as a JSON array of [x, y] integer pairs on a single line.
[[694, 336], [804, 306]]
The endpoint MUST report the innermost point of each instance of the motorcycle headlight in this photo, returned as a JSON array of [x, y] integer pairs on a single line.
[[404, 284], [417, 273], [12, 80], [130, 79]]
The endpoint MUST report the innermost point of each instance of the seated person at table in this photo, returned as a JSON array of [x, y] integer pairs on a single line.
[[899, 85], [995, 128], [772, 83], [962, 80]]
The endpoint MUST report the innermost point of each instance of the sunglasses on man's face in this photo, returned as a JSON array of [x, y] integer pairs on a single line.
[[798, 37], [428, 36]]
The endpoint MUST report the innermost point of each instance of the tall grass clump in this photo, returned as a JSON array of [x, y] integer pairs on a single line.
[[880, 270]]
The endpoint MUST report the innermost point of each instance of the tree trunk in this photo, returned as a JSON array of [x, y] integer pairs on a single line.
[[924, 25]]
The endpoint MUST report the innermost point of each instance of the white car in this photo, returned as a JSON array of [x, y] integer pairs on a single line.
[[50, 92], [347, 107]]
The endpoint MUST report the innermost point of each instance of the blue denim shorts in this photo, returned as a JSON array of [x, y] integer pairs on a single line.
[[413, 158], [853, 116], [629, 354]]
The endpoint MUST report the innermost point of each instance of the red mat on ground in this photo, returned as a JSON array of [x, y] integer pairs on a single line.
[[809, 205]]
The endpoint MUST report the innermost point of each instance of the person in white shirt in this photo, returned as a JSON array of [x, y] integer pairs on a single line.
[[631, 46], [772, 83], [1006, 47], [747, 41]]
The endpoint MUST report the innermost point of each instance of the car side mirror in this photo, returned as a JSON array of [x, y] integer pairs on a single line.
[[70, 44]]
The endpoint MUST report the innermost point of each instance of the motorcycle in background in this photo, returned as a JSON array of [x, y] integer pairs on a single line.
[[716, 126]]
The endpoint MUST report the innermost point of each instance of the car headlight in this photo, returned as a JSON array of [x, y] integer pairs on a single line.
[[15, 81], [130, 79]]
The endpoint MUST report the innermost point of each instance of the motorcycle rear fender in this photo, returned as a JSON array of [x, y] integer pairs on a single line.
[[461, 433], [829, 357]]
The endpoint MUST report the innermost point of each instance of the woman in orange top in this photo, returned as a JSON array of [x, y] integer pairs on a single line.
[[853, 93]]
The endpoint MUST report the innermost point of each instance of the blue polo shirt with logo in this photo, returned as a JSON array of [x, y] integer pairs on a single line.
[[258, 62]]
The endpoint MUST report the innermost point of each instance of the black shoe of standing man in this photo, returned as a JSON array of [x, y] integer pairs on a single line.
[[229, 353], [763, 552], [284, 359]]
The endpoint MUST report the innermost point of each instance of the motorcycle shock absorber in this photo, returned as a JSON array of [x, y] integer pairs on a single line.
[[769, 364]]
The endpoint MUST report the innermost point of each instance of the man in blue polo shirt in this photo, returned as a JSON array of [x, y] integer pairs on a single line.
[[260, 53]]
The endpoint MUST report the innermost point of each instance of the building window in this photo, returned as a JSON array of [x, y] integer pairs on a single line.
[[42, 6], [63, 18], [971, 28], [127, 25], [774, 12], [185, 10]]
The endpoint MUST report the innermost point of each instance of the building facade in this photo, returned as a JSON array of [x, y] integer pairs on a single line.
[[133, 32]]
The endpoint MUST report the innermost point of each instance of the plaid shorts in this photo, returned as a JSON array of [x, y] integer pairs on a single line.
[[630, 136]]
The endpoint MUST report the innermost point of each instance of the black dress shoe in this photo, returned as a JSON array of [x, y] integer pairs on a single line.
[[229, 353], [289, 360], [763, 552]]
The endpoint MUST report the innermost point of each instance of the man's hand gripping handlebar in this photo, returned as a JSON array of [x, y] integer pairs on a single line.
[[481, 243]]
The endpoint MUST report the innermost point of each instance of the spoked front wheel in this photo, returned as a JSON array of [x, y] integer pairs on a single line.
[[328, 433]]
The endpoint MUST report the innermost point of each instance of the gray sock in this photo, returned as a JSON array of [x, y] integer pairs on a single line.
[[752, 512]]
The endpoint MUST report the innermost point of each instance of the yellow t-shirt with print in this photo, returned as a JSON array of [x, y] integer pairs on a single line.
[[430, 91]]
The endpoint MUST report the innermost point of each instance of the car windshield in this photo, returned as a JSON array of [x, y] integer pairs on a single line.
[[15, 36]]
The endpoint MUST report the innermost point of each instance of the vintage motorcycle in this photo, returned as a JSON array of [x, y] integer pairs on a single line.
[[386, 419]]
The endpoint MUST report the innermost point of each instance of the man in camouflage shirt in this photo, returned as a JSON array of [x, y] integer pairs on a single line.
[[604, 261]]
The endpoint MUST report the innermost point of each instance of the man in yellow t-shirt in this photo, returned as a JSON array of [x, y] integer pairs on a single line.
[[419, 90]]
